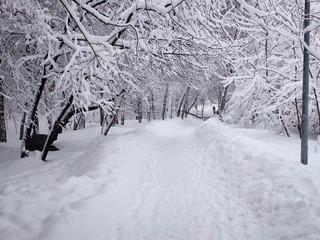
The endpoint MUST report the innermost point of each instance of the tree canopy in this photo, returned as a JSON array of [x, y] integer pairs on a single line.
[[246, 56]]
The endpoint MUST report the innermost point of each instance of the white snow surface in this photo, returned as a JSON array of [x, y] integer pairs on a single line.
[[173, 179]]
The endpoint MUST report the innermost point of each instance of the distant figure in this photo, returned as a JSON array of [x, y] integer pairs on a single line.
[[214, 109]]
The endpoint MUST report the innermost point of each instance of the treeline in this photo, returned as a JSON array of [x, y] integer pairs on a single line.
[[61, 59]]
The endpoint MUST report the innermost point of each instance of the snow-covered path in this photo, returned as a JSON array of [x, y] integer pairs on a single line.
[[176, 193], [164, 180], [180, 193]]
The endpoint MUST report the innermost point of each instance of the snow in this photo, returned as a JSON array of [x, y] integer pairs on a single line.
[[172, 179]]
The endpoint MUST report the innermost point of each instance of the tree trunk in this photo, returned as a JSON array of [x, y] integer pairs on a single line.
[[122, 117], [22, 125], [32, 117], [32, 114], [149, 114], [153, 114], [150, 106], [55, 129], [266, 54], [285, 126], [180, 105], [223, 100], [164, 104], [121, 95], [295, 57], [3, 129], [186, 103], [110, 123], [49, 120], [102, 113], [318, 110], [101, 116], [193, 103], [139, 111]]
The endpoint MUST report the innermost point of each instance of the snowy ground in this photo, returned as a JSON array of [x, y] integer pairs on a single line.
[[188, 180]]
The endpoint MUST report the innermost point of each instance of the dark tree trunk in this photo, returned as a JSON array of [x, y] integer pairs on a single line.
[[193, 103], [139, 111], [105, 130], [110, 123], [32, 114], [149, 109], [318, 109], [180, 105], [49, 122], [22, 125], [285, 126], [3, 129], [32, 117], [203, 118], [101, 117], [55, 129], [223, 100], [164, 104], [185, 105], [122, 117], [149, 114], [153, 114]]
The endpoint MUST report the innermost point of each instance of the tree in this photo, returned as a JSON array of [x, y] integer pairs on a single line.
[[165, 55], [3, 130], [267, 72]]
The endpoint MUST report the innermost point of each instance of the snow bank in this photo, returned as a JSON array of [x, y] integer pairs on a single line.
[[277, 195]]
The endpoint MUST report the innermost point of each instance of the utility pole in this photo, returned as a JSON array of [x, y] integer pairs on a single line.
[[305, 90]]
